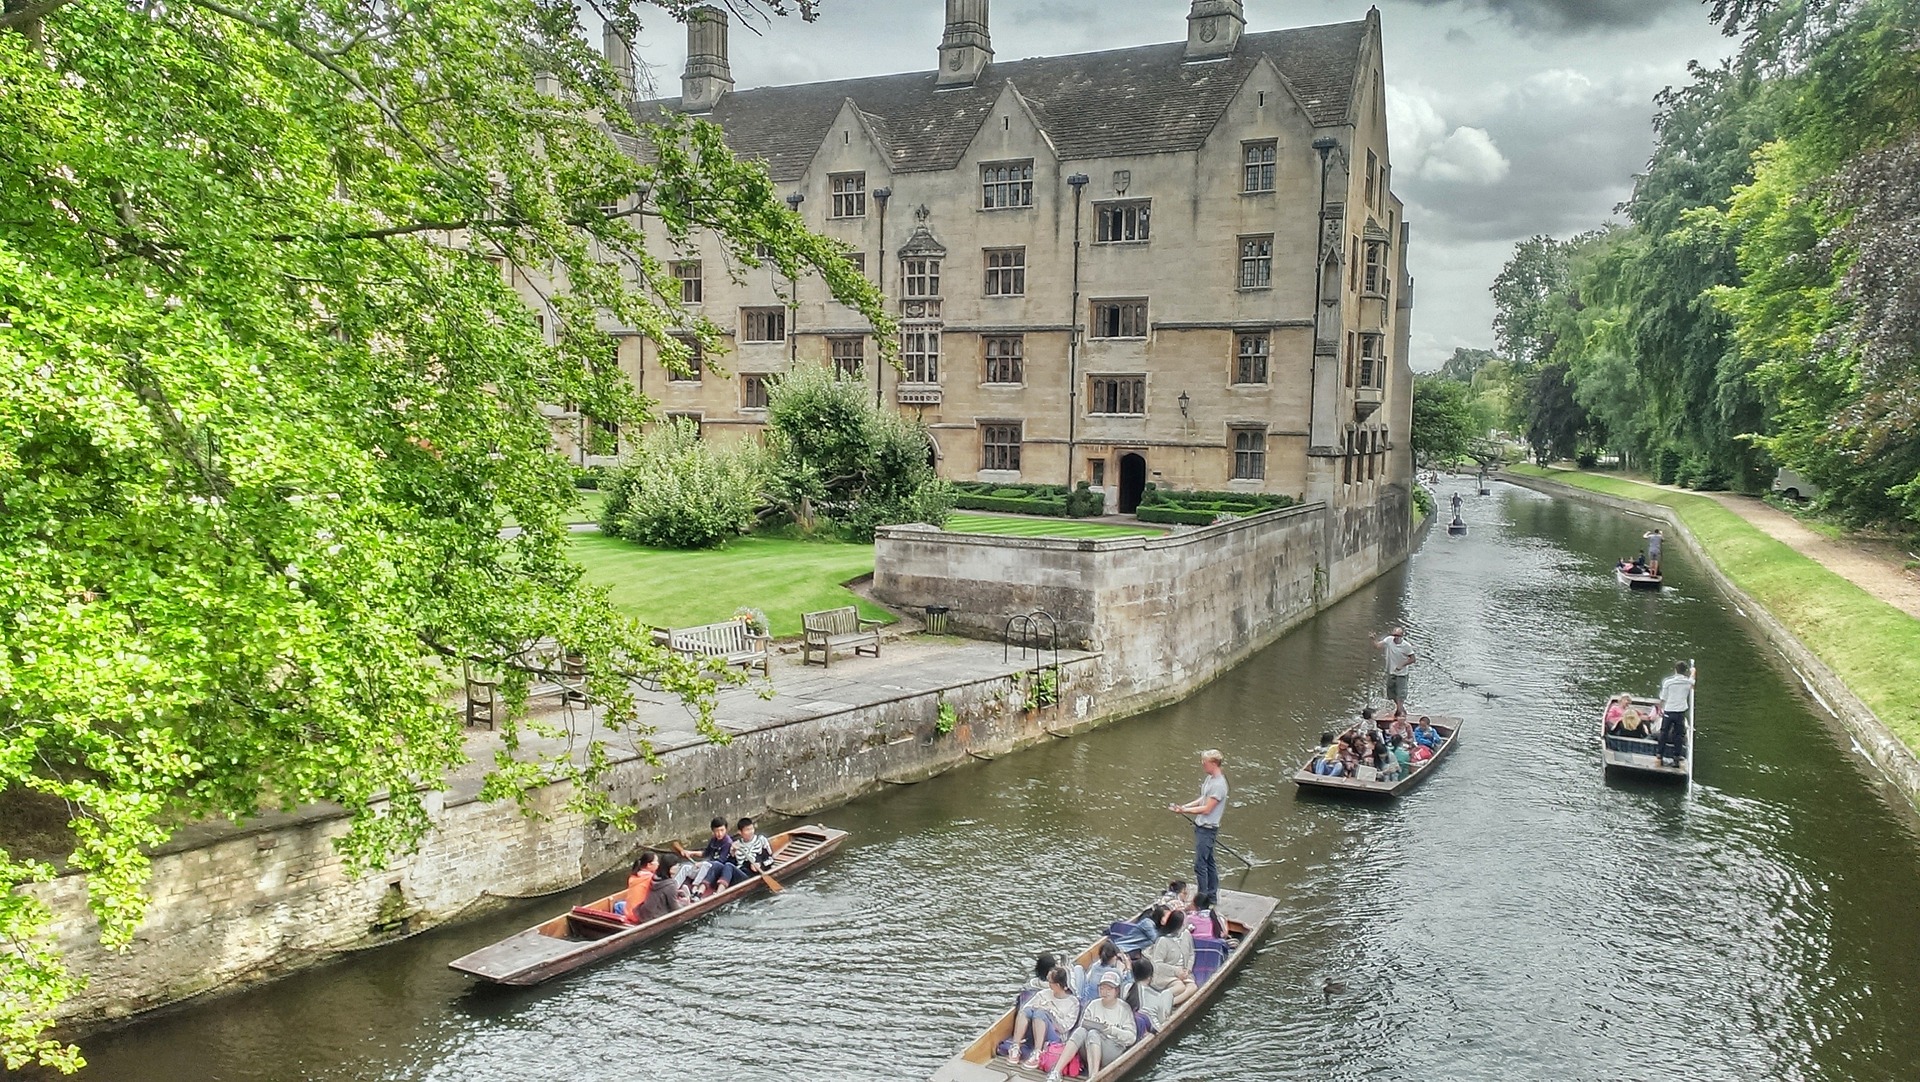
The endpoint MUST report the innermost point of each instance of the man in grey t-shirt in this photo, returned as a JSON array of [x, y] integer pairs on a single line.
[[1206, 813], [1654, 543], [1400, 662]]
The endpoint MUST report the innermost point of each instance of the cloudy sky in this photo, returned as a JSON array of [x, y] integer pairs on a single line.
[[1508, 117]]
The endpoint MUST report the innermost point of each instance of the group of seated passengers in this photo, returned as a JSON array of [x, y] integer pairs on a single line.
[[1625, 719], [1637, 565], [1090, 1010], [1367, 752], [653, 889]]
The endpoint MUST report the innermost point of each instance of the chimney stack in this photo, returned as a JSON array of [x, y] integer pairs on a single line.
[[707, 77], [1213, 28], [965, 50], [619, 58]]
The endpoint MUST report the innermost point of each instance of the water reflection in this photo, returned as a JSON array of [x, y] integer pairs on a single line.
[[1515, 917]]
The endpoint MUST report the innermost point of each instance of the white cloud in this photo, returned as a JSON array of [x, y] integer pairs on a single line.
[[1425, 146]]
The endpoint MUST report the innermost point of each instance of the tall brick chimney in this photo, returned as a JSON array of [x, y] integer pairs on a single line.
[[965, 49], [1213, 28], [707, 78]]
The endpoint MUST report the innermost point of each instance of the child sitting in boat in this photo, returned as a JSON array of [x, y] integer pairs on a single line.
[[1326, 762], [1048, 1016], [1426, 736]]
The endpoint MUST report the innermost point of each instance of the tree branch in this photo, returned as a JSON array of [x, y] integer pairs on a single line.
[[22, 16]]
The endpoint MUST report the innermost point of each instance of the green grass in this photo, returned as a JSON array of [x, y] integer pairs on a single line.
[[589, 505], [1004, 526], [675, 588], [1872, 646]]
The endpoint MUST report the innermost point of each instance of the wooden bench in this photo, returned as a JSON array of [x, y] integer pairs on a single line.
[[843, 627], [555, 671], [731, 641]]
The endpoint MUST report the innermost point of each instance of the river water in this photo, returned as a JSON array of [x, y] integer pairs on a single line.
[[1516, 918]]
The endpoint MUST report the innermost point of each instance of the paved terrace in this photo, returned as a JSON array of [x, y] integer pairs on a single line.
[[908, 665]]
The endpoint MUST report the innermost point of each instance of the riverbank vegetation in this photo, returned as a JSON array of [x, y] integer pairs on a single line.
[[267, 395], [1871, 646], [1757, 307]]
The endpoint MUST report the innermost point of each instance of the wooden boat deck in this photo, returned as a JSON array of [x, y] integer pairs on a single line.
[[1637, 755], [577, 938], [1447, 727], [1246, 915]]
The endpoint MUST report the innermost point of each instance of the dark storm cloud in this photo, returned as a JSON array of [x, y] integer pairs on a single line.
[[1574, 16]]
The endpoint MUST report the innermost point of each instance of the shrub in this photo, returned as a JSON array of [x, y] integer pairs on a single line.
[[1013, 505], [1174, 516], [589, 476], [1586, 460], [679, 491], [1422, 501], [839, 458], [1084, 502], [1011, 493]]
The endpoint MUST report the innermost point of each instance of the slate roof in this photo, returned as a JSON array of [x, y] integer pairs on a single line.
[[1141, 100]]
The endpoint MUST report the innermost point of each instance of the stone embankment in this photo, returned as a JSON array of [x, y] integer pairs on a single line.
[[1144, 621]]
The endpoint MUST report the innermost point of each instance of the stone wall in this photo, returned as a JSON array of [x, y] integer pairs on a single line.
[[1167, 613], [260, 902]]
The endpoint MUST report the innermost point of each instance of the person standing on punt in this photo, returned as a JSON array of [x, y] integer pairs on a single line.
[[1206, 813], [1654, 541], [1676, 701], [1400, 662]]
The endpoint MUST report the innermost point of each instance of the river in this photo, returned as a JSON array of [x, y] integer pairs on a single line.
[[1516, 918]]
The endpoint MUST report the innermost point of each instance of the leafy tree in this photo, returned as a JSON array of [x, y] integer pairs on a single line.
[[1467, 363], [1442, 420], [1524, 296], [266, 400], [677, 490], [1555, 421], [838, 456]]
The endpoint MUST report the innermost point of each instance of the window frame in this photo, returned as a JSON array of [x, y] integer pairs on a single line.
[[697, 370], [1141, 216], [920, 355], [1008, 450], [697, 281], [1013, 363], [1120, 388], [1256, 266], [699, 420], [1250, 462], [1373, 365], [927, 277], [836, 348], [1374, 281], [1263, 356], [1011, 277], [847, 204], [765, 313], [1256, 167], [1097, 326], [748, 381], [1014, 186]]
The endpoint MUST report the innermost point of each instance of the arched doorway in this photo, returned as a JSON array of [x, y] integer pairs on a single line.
[[1133, 482]]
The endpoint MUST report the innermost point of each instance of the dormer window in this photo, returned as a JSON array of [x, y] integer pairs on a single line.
[[1006, 185], [922, 276], [849, 195]]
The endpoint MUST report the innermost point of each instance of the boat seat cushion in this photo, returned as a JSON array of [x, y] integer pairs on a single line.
[[1208, 954]]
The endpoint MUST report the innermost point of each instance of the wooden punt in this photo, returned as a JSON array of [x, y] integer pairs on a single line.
[[1246, 916], [1633, 754], [1640, 581], [1449, 730], [577, 937]]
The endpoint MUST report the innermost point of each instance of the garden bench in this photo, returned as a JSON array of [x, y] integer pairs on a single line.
[[556, 671], [732, 641], [838, 628]]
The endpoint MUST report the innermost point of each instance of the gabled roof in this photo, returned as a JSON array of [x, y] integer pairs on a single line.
[[1143, 100]]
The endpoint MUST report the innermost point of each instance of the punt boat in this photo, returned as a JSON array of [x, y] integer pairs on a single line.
[[588, 933], [1635, 755], [1641, 580], [1449, 730], [1246, 916], [1458, 527]]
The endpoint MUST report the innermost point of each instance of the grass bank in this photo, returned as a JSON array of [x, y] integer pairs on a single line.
[[1017, 526], [675, 588], [1870, 645]]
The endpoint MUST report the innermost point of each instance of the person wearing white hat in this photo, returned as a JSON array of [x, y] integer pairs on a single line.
[[1105, 1032]]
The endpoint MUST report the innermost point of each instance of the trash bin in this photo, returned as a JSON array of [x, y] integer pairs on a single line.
[[936, 619]]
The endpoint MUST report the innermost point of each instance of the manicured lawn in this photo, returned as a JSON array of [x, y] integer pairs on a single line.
[[1008, 526], [588, 508], [673, 588], [1872, 646]]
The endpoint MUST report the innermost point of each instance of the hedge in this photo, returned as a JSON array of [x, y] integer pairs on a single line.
[[967, 501], [1173, 516]]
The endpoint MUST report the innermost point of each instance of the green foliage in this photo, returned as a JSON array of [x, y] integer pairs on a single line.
[[1084, 502], [1043, 688], [945, 718], [1422, 502], [839, 458], [1013, 505], [1443, 426], [679, 491], [1167, 515], [267, 399]]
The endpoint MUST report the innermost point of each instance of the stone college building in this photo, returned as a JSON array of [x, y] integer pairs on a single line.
[[1181, 263]]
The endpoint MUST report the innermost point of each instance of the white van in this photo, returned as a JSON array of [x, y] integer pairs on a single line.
[[1790, 484]]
